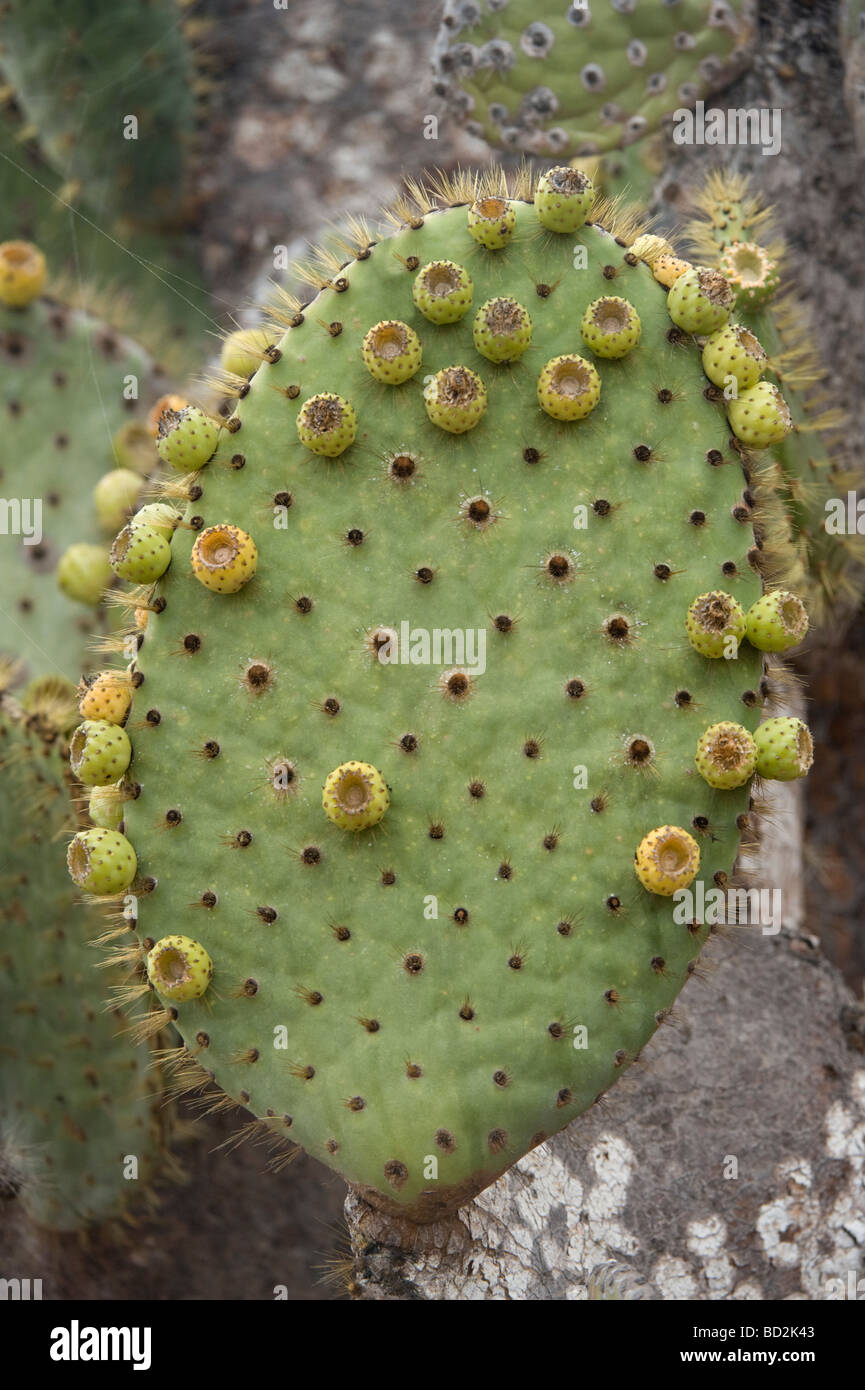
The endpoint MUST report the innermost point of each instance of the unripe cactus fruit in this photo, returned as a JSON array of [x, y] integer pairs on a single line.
[[753, 274], [502, 330], [733, 352], [700, 300], [140, 554], [776, 622], [491, 222], [569, 388], [106, 697], [115, 496], [327, 424], [713, 619], [99, 752], [84, 573], [726, 755], [134, 447], [159, 516], [179, 968], [22, 273], [243, 351], [760, 416], [101, 861], [667, 859], [785, 749], [443, 290], [455, 399], [224, 558], [105, 807], [611, 327], [563, 199], [392, 352], [355, 796], [187, 438]]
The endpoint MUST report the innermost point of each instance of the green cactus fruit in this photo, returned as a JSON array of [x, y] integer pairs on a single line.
[[99, 752], [733, 352], [243, 351], [502, 330], [159, 517], [83, 574], [569, 387], [470, 615], [140, 554], [455, 399], [115, 496], [179, 968], [327, 424], [22, 273], [117, 133], [578, 79], [785, 749], [135, 448], [101, 861], [715, 624], [563, 199], [392, 352], [760, 416], [81, 1120], [186, 439], [66, 384], [700, 300], [442, 291], [491, 222], [776, 622], [611, 327], [811, 466], [105, 807], [726, 755]]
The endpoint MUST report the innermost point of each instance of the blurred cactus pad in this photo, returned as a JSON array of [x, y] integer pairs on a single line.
[[68, 383], [439, 568], [80, 1130], [558, 79]]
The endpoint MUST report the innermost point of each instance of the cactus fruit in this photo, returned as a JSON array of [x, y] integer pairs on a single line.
[[776, 622], [502, 330], [726, 755], [466, 615], [563, 198], [224, 559], [785, 749], [22, 273], [99, 752], [733, 352], [442, 291], [491, 222], [557, 79], [114, 497], [244, 351], [101, 861], [611, 327], [327, 424], [700, 300], [715, 624], [186, 438], [179, 968], [80, 1112], [140, 553], [355, 796], [392, 352], [455, 399], [106, 696], [808, 462], [66, 384]]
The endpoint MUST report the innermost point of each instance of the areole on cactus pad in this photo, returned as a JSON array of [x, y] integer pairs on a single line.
[[390, 782]]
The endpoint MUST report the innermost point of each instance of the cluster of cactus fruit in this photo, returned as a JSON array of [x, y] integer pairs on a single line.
[[733, 231], [458, 600], [583, 78], [69, 390], [80, 1128]]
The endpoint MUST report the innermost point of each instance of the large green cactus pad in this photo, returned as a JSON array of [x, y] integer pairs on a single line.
[[64, 385], [495, 908], [578, 79], [77, 1101]]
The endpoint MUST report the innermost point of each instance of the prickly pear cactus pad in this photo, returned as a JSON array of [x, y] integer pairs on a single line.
[[109, 89], [735, 231], [391, 770], [79, 1127], [578, 79], [64, 382]]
